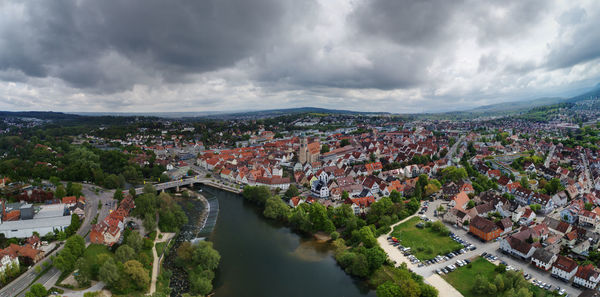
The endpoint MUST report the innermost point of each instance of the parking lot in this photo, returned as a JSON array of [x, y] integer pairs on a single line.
[[476, 247]]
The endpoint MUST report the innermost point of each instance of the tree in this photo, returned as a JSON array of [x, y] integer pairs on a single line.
[[55, 181], [75, 189], [118, 195], [60, 192], [453, 173], [389, 289], [499, 282], [366, 237], [135, 241], [525, 182], [324, 148], [345, 195], [344, 142], [74, 226], [200, 285], [276, 209], [125, 253], [132, 192], [136, 272], [258, 194], [535, 207], [470, 204], [430, 189], [395, 196], [480, 285], [291, 192], [149, 222], [376, 257], [149, 189], [37, 290]]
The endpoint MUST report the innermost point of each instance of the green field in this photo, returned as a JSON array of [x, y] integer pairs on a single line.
[[425, 243], [463, 278]]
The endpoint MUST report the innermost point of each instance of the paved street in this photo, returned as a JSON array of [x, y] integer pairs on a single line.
[[91, 209]]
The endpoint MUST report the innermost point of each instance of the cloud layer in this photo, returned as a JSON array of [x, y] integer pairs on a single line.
[[386, 55]]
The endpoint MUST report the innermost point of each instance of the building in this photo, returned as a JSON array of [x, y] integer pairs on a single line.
[[21, 219], [587, 276], [484, 228], [110, 229], [7, 260], [564, 268], [309, 152], [517, 247], [543, 259]]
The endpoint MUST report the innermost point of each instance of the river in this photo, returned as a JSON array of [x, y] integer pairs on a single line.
[[263, 258]]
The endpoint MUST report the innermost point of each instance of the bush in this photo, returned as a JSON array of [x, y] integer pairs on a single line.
[[334, 235]]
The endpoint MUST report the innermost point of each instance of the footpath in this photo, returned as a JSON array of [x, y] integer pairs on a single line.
[[444, 289]]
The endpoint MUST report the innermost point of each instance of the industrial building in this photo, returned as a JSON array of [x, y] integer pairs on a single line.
[[22, 219]]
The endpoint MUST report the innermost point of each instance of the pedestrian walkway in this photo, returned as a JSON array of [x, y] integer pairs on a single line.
[[156, 264], [396, 255]]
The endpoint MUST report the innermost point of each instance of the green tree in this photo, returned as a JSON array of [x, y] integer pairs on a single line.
[[149, 222], [149, 189], [344, 142], [118, 194], [55, 181], [470, 204], [135, 241], [324, 148], [389, 289], [37, 290], [376, 257], [395, 196], [125, 253], [60, 192], [276, 209], [136, 272], [200, 285], [76, 190], [360, 266], [291, 192], [366, 237]]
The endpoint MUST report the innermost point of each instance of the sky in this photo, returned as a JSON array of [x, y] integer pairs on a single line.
[[365, 55]]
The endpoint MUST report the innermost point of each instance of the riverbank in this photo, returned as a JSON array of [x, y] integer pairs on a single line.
[[205, 211], [261, 257]]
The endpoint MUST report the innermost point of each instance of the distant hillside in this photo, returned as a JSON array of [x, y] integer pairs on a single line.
[[517, 105], [592, 94], [289, 111], [42, 115]]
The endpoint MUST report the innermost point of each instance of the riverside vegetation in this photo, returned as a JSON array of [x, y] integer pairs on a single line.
[[353, 237]]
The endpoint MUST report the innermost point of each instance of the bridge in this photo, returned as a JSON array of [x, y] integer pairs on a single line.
[[190, 182]]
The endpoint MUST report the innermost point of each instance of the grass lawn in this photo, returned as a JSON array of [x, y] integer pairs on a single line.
[[160, 248], [463, 278], [425, 243]]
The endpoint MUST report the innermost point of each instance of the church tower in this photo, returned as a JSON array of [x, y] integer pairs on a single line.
[[302, 154]]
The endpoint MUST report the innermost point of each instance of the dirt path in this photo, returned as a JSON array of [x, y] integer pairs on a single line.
[[156, 263]]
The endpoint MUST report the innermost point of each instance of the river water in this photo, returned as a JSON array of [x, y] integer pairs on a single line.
[[261, 258]]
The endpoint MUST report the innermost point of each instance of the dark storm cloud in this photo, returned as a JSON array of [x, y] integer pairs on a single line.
[[582, 45], [167, 39], [407, 22]]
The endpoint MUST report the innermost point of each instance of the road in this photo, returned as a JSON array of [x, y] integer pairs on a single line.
[[454, 149], [18, 286], [588, 183], [550, 156], [488, 247]]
